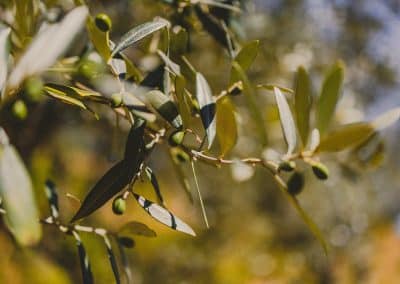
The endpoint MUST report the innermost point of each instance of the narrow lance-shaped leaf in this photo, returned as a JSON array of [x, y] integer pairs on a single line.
[[48, 45], [246, 57], [154, 182], [163, 216], [226, 125], [86, 270], [349, 135], [251, 101], [64, 97], [330, 93], [119, 176], [164, 106], [136, 229], [125, 263], [302, 103], [183, 107], [113, 261], [203, 208], [52, 197], [99, 38], [287, 121], [4, 33], [180, 173], [16, 191], [207, 107], [138, 33], [386, 119]]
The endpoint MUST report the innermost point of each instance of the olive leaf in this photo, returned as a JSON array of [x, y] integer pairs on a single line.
[[136, 229], [100, 39], [119, 176], [172, 66], [48, 45], [271, 87], [123, 242], [246, 57], [16, 191], [183, 107], [386, 119], [346, 136], [330, 93], [287, 121], [52, 197], [302, 103], [163, 216], [207, 107], [138, 33], [173, 152], [63, 96], [154, 182], [4, 33], [87, 275], [251, 100], [113, 261], [226, 125], [179, 40], [164, 106]]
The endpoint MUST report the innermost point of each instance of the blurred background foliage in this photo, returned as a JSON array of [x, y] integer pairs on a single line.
[[255, 235]]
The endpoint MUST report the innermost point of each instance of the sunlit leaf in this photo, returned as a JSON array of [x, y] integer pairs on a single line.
[[48, 45], [315, 139], [346, 136], [4, 33], [226, 125], [172, 66], [271, 87], [16, 191], [287, 121], [207, 107], [387, 119], [163, 216], [251, 101], [64, 97], [138, 33], [136, 229], [154, 182], [87, 276], [330, 93], [100, 39], [302, 103]]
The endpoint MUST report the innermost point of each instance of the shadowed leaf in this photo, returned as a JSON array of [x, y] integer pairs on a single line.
[[330, 93], [183, 107], [52, 197], [113, 261], [136, 229], [153, 179], [87, 276], [163, 216], [4, 33]]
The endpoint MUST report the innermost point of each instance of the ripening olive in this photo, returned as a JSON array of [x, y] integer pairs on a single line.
[[103, 22], [116, 100], [119, 205], [295, 183], [320, 170]]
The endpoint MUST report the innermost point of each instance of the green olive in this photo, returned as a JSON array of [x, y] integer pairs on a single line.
[[176, 138], [20, 110], [119, 205], [103, 22], [116, 100], [34, 88]]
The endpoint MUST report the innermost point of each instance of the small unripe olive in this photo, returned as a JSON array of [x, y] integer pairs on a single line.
[[103, 22], [119, 205], [176, 138], [295, 183], [116, 100], [34, 88], [320, 170], [179, 155], [287, 166], [20, 110]]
